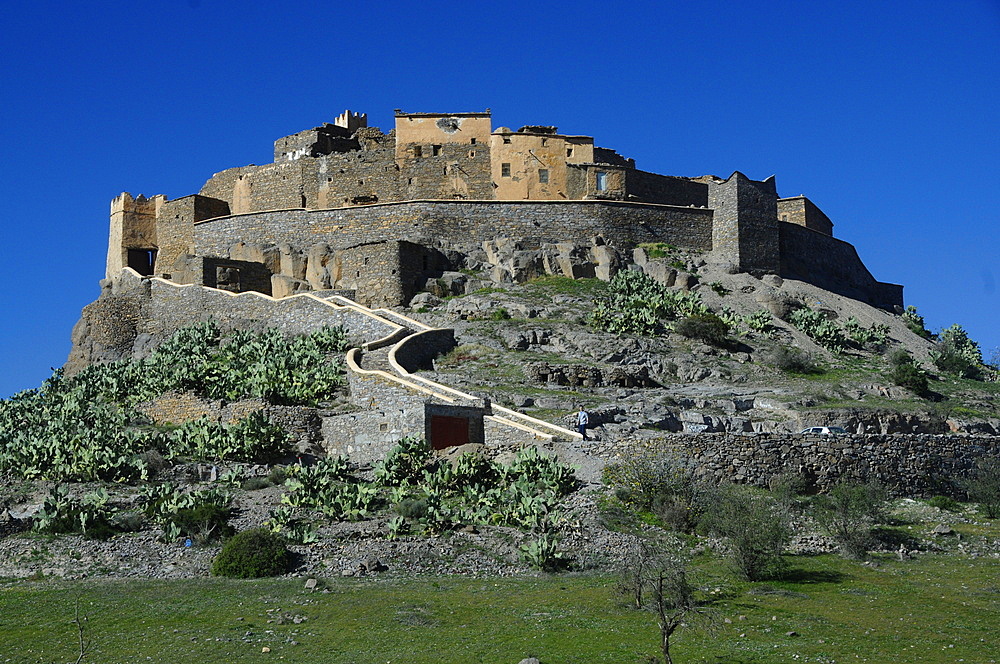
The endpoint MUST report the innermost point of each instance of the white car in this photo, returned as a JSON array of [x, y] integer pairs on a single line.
[[826, 431]]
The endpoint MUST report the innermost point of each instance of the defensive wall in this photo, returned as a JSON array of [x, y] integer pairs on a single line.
[[905, 464], [620, 223], [833, 265]]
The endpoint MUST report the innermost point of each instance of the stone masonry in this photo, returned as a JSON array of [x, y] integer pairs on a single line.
[[342, 203]]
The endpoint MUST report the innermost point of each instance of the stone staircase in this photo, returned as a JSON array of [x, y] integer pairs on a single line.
[[388, 357]]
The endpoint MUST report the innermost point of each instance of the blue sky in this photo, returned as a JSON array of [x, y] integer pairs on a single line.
[[883, 113]]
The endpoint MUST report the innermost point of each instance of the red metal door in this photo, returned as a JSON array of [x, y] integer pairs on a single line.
[[447, 431]]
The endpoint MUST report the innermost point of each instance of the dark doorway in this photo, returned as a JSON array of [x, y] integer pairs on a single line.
[[448, 431], [142, 260]]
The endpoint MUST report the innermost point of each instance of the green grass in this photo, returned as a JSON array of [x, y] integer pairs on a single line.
[[550, 285], [935, 608]]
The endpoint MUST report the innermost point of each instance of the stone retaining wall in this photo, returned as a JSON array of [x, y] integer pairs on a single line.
[[906, 464]]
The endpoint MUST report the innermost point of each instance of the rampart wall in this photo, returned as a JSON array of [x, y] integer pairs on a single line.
[[622, 224], [172, 307], [665, 189], [832, 264], [905, 464]]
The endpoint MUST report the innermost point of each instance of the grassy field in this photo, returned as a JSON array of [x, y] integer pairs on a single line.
[[935, 608]]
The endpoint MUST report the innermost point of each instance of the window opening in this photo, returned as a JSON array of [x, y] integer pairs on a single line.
[[543, 175], [569, 152], [435, 150], [418, 151], [142, 260], [602, 181], [505, 170]]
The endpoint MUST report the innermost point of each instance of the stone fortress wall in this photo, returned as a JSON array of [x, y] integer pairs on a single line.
[[348, 206]]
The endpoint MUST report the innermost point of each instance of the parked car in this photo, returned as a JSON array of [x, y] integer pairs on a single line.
[[826, 431]]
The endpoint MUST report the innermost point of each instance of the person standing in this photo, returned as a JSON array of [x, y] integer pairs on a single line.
[[582, 420]]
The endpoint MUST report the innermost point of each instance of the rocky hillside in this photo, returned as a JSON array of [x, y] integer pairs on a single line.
[[790, 354]]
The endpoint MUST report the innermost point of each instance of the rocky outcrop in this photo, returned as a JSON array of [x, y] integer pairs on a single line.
[[510, 261], [578, 375]]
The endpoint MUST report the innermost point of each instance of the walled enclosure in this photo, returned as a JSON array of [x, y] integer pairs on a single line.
[[340, 201]]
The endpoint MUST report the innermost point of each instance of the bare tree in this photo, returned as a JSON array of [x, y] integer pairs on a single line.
[[657, 579], [80, 622]]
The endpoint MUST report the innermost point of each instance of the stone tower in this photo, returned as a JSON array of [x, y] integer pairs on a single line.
[[745, 224]]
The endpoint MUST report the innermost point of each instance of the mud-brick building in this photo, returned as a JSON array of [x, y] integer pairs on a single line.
[[345, 206]]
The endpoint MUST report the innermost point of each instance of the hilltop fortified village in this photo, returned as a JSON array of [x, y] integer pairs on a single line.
[[348, 207], [349, 222]]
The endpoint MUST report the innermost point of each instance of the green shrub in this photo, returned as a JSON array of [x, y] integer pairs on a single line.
[[203, 523], [906, 373], [256, 484], [705, 327], [848, 513], [819, 328], [758, 321], [636, 304], [252, 554], [793, 360], [755, 526], [719, 289], [984, 485], [911, 377], [660, 484], [958, 354], [87, 427], [946, 503], [788, 487], [915, 322], [875, 335], [499, 314], [90, 516], [658, 249]]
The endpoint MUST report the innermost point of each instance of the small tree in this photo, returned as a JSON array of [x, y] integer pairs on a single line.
[[984, 485], [657, 578], [848, 513], [755, 526]]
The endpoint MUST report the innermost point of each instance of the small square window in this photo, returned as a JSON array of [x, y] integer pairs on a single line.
[[473, 142], [505, 170], [506, 139], [545, 142], [543, 175], [418, 151], [435, 150], [569, 152]]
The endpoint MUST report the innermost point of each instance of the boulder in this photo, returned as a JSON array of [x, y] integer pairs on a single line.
[[283, 286], [424, 300], [318, 266]]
